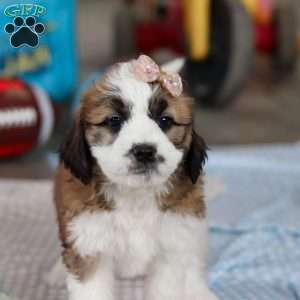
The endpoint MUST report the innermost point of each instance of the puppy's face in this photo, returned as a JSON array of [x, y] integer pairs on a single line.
[[136, 132]]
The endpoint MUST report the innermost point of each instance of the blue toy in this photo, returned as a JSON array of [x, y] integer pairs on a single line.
[[37, 39]]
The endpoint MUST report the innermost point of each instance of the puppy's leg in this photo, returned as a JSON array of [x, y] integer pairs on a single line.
[[91, 279], [171, 282], [179, 272]]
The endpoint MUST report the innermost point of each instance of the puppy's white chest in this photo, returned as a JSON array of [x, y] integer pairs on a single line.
[[137, 239], [129, 234]]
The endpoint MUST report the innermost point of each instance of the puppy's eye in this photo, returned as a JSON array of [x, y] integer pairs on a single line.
[[115, 122], [166, 122]]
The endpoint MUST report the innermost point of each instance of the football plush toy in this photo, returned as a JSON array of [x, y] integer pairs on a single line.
[[26, 117]]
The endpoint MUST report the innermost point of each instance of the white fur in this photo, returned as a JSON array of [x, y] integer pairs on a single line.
[[139, 239], [140, 128], [123, 233], [99, 287]]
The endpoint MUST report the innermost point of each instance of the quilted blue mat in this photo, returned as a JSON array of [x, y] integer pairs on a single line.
[[255, 231]]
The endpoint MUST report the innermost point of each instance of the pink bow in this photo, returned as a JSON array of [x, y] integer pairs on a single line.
[[145, 69]]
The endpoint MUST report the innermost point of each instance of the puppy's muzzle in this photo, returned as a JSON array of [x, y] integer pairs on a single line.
[[144, 153]]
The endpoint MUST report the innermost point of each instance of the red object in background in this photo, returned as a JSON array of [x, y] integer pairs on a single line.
[[26, 117], [265, 38], [166, 32], [151, 36]]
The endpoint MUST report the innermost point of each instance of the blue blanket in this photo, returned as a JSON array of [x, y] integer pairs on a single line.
[[255, 231]]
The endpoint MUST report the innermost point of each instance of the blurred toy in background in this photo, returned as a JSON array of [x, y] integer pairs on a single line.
[[52, 63], [38, 62], [276, 30], [26, 117], [218, 51], [218, 38]]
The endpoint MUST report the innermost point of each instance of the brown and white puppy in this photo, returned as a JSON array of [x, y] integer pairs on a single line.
[[129, 194]]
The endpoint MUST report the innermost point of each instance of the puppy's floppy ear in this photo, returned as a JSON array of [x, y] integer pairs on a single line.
[[196, 157], [75, 153]]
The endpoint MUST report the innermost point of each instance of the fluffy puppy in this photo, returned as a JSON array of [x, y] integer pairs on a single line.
[[129, 192]]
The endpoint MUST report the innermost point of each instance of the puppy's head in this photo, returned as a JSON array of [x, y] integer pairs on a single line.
[[137, 133]]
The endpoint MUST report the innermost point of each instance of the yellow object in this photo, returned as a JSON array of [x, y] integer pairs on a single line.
[[197, 23], [251, 6]]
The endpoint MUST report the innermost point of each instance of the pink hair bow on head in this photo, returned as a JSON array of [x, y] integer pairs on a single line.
[[145, 69]]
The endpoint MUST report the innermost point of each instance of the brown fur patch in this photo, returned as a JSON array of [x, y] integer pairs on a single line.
[[98, 104], [184, 198], [180, 109]]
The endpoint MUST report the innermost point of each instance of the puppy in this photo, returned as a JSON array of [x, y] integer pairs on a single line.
[[129, 192]]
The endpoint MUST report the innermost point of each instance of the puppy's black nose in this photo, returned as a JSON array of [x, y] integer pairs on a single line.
[[144, 153]]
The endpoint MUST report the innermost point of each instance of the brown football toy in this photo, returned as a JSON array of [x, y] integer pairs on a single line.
[[26, 117]]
